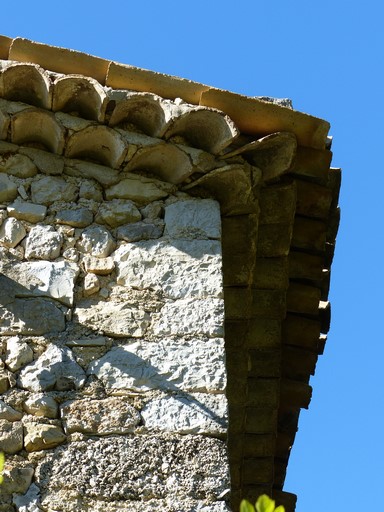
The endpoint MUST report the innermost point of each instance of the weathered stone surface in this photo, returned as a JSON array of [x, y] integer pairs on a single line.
[[99, 417], [4, 381], [48, 163], [17, 480], [50, 189], [91, 284], [41, 436], [41, 406], [179, 268], [27, 211], [17, 165], [12, 232], [8, 413], [79, 218], [28, 501], [193, 218], [96, 241], [134, 468], [191, 316], [166, 365], [11, 436], [140, 231], [30, 316], [8, 190], [117, 212], [18, 353], [99, 266], [199, 413], [45, 278], [139, 189], [56, 368], [79, 168], [99, 341], [91, 190], [113, 318], [43, 242]]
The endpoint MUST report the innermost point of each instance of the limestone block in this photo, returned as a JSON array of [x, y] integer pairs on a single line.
[[153, 210], [117, 212], [11, 436], [27, 211], [140, 231], [79, 218], [199, 413], [99, 417], [8, 190], [91, 190], [41, 406], [18, 353], [8, 413], [17, 479], [96, 241], [30, 316], [193, 366], [116, 319], [99, 266], [191, 316], [122, 468], [139, 189], [81, 169], [56, 369], [179, 268], [193, 218], [43, 242], [51, 188], [17, 165], [48, 163], [44, 278], [40, 436], [28, 501], [12, 232], [91, 284]]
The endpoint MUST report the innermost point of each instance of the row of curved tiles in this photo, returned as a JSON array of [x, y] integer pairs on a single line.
[[203, 127]]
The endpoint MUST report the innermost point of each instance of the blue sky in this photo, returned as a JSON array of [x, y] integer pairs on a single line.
[[327, 57]]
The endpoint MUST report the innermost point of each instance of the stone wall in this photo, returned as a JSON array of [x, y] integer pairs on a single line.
[[112, 368]]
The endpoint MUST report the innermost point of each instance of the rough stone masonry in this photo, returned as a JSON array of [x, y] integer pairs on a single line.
[[111, 321]]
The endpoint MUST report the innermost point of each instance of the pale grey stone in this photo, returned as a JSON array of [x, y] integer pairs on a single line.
[[153, 210], [117, 212], [8, 190], [99, 341], [96, 241], [18, 165], [79, 218], [178, 268], [91, 284], [12, 232], [79, 168], [56, 369], [118, 469], [41, 406], [17, 478], [140, 231], [116, 319], [8, 413], [36, 316], [11, 436], [28, 502], [191, 317], [91, 190], [193, 366], [42, 436], [43, 242], [22, 192], [49, 189], [27, 211], [99, 417], [48, 163], [193, 218], [18, 353], [198, 413], [139, 189], [99, 266]]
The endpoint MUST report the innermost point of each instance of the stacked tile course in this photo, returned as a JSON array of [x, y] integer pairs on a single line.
[[129, 222]]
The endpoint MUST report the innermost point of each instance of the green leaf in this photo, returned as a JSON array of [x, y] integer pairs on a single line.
[[280, 508], [245, 506], [2, 462], [265, 504]]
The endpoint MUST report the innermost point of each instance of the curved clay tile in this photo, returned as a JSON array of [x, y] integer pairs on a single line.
[[204, 128], [165, 161], [142, 110], [97, 143], [38, 127], [27, 83], [273, 154], [80, 95]]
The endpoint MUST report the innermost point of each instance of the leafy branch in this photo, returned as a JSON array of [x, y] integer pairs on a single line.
[[263, 504]]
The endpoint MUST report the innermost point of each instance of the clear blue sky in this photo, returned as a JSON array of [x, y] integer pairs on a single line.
[[328, 57]]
